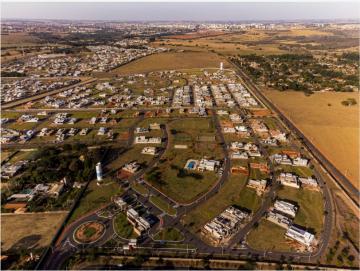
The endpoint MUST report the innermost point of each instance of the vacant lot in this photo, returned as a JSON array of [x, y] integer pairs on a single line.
[[233, 192], [14, 39], [170, 176], [171, 61], [29, 230], [96, 196], [268, 236], [311, 207], [332, 127]]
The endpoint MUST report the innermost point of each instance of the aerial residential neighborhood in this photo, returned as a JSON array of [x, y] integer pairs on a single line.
[[206, 142]]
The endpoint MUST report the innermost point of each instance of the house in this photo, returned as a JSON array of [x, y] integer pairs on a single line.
[[93, 120], [140, 130], [210, 165], [276, 134], [258, 185], [225, 224], [303, 237], [279, 219], [56, 189], [154, 126], [239, 155], [289, 179], [309, 182], [149, 150], [84, 131], [281, 159], [285, 207], [302, 162], [146, 140], [131, 167], [9, 170], [102, 131]]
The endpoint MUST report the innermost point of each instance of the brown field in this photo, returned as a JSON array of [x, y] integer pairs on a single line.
[[254, 41], [29, 230], [16, 39], [198, 34], [172, 61], [332, 127]]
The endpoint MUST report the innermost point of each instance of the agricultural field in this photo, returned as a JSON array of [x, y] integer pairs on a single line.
[[14, 39], [16, 233], [171, 61], [331, 126]]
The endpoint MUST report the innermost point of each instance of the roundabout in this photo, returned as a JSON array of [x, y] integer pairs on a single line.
[[89, 232]]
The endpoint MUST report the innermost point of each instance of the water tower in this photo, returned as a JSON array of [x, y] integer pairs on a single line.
[[98, 172]]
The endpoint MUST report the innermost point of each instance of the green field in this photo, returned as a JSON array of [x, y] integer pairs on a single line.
[[268, 236], [233, 192], [163, 205], [141, 189], [123, 228], [311, 207], [170, 176], [169, 234], [95, 196]]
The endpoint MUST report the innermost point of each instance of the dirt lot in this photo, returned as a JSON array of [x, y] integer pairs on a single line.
[[333, 128], [172, 61], [29, 230], [14, 39]]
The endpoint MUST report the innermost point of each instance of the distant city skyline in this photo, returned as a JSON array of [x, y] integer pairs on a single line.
[[185, 11]]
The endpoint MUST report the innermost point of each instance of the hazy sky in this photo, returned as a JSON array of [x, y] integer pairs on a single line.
[[212, 11]]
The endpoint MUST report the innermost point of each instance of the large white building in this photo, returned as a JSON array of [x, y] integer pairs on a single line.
[[285, 207], [289, 179], [300, 235]]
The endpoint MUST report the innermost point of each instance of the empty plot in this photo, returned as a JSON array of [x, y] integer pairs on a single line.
[[171, 61], [22, 231]]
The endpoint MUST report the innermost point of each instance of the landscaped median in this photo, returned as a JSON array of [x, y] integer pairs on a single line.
[[163, 205]]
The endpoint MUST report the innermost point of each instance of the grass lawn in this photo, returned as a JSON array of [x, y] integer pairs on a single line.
[[163, 205], [311, 207], [271, 123], [171, 177], [133, 154], [248, 199], [89, 232], [169, 234], [123, 228], [257, 174], [268, 236], [96, 196], [139, 188], [231, 193]]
